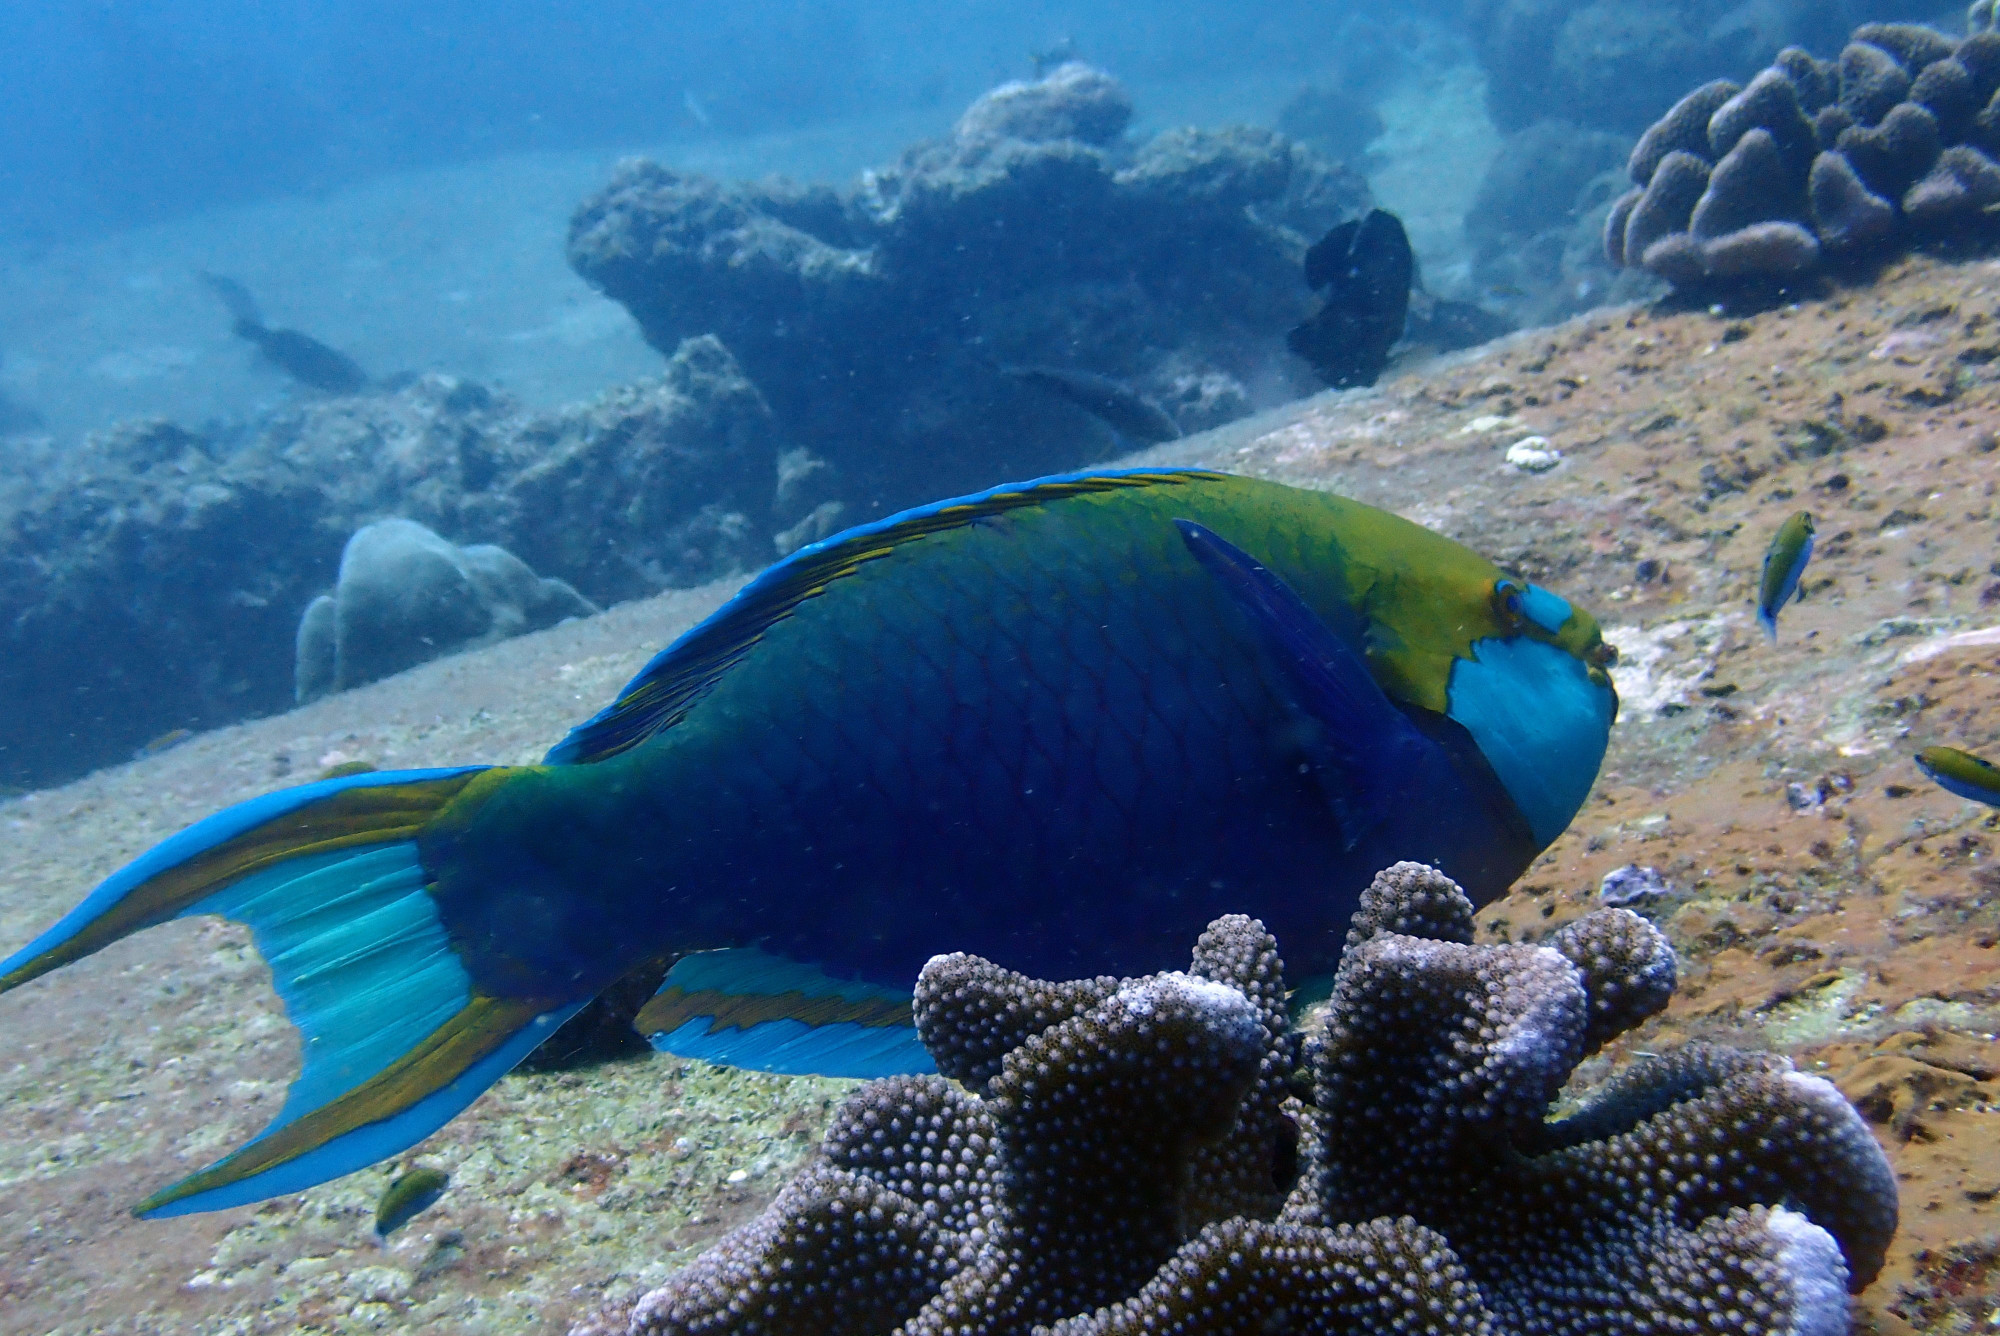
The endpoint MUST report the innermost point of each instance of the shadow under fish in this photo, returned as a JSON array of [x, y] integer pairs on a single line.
[[1365, 268], [301, 356], [1131, 414]]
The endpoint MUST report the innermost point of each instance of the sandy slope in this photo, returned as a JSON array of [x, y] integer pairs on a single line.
[[1855, 932]]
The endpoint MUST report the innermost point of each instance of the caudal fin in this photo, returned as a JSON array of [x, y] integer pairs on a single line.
[[396, 1039]]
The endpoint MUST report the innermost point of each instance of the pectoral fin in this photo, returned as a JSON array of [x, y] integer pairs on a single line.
[[1365, 749]]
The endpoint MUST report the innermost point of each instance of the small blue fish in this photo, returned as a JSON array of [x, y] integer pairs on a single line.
[[1784, 563], [409, 1196], [1962, 773], [1060, 724]]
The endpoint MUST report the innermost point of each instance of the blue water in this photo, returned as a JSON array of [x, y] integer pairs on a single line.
[[114, 114]]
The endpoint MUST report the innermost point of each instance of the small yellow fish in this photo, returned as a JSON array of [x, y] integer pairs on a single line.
[[407, 1197], [1784, 563], [168, 740], [1962, 773]]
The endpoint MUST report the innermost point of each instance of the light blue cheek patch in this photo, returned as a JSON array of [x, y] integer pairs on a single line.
[[1539, 720], [748, 1008], [1546, 610]]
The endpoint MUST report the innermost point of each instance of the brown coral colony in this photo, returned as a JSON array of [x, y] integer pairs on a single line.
[[1165, 1155], [1816, 160]]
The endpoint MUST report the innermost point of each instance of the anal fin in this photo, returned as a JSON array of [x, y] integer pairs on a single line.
[[749, 1008]]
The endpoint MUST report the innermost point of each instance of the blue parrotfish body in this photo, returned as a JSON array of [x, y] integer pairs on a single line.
[[1062, 724]]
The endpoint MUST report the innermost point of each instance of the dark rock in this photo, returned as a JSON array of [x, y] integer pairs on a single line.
[[1752, 184], [1668, 204], [1610, 56], [1536, 223], [1683, 129], [1846, 214], [1871, 82], [1332, 121], [1761, 250], [1963, 183], [1892, 155], [1534, 180]]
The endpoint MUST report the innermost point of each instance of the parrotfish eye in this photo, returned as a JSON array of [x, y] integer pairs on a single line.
[[1507, 602], [1602, 655]]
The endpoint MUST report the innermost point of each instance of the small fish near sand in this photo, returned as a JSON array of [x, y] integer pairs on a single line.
[[1962, 773], [301, 356], [407, 1197], [1062, 724], [1131, 414], [1365, 268], [1784, 562]]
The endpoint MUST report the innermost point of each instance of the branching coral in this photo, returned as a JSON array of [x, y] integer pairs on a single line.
[[1816, 158], [1124, 1157]]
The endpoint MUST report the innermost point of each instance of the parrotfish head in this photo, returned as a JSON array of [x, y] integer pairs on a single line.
[[1518, 667], [1536, 696]]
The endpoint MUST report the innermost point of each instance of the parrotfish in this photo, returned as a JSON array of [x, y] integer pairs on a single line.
[[1784, 562], [407, 1197], [1962, 773], [299, 355], [1061, 724]]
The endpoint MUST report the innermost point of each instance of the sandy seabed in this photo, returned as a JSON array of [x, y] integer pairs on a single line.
[[1826, 900]]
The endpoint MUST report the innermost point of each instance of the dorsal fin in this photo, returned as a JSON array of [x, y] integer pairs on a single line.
[[682, 673]]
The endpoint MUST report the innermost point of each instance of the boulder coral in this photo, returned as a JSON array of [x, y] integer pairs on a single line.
[[1113, 1156], [1813, 160], [406, 595], [878, 320]]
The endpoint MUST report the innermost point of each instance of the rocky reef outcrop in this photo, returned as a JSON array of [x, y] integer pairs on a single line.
[[155, 577], [1168, 1154], [1536, 222], [879, 320], [1815, 161]]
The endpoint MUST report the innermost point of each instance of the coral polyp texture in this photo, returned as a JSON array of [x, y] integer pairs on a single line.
[[1815, 160], [1126, 1156]]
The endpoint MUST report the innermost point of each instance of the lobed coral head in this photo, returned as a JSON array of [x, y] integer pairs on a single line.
[[1130, 1158], [1892, 142]]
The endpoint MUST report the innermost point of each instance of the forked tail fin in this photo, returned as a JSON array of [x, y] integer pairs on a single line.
[[395, 1037]]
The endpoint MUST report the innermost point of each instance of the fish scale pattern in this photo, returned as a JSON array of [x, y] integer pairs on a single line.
[[1073, 1190], [978, 697]]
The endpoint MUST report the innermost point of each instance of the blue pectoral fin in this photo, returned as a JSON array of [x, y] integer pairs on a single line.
[[1363, 738], [747, 1008]]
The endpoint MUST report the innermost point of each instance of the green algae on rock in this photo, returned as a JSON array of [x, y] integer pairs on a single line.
[[1072, 1187]]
